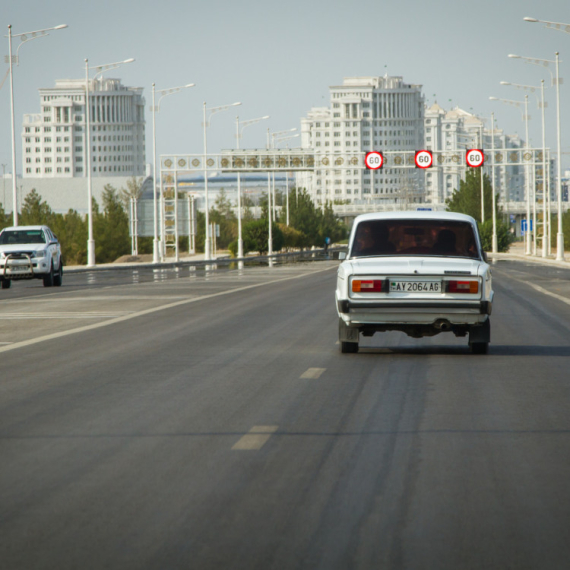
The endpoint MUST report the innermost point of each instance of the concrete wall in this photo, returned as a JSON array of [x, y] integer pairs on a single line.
[[62, 194]]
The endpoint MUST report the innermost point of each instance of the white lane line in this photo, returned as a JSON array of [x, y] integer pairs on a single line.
[[24, 316], [546, 292], [542, 290], [255, 439], [313, 373], [150, 311]]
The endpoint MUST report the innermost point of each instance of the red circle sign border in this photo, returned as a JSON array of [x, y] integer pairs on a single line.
[[422, 165], [374, 153], [482, 157]]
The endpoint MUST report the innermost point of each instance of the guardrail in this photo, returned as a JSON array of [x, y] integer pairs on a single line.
[[202, 262]]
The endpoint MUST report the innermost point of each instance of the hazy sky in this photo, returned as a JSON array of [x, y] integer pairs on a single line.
[[279, 58]]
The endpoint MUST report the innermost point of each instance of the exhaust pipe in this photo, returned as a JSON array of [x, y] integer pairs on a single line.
[[442, 325]]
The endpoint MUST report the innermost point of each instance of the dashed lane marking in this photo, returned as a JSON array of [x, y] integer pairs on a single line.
[[255, 439], [313, 373]]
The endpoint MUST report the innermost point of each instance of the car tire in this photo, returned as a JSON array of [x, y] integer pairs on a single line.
[[348, 347], [6, 283], [58, 277], [479, 347], [49, 278]]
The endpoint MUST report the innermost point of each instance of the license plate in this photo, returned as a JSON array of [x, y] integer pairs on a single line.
[[19, 269], [415, 286]]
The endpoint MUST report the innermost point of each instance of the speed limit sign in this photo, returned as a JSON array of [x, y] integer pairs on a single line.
[[374, 160], [475, 157], [424, 158]]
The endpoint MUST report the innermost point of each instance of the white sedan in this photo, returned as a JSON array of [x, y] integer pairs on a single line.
[[30, 252], [422, 273]]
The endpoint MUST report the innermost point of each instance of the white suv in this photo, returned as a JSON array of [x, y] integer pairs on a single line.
[[421, 273], [30, 252]]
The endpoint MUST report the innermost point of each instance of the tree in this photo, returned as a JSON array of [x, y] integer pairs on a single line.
[[5, 221], [467, 200], [223, 214], [71, 232], [34, 211], [256, 236], [315, 224], [111, 227]]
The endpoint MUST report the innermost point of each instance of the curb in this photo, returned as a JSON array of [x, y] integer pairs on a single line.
[[529, 258]]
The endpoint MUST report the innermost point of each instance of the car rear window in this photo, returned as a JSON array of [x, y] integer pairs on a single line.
[[415, 237], [22, 237]]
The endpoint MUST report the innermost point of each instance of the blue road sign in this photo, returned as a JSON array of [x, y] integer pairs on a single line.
[[523, 226]]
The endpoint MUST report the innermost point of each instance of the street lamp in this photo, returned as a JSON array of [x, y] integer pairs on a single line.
[[155, 109], [212, 111], [11, 59], [528, 233], [100, 69], [239, 131], [545, 196], [545, 63], [552, 25]]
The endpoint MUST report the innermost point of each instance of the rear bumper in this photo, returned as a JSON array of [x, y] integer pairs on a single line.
[[481, 307]]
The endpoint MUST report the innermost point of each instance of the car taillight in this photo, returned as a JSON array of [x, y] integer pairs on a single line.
[[463, 287], [367, 285]]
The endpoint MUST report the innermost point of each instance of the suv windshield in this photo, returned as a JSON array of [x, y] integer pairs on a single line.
[[10, 237], [415, 237]]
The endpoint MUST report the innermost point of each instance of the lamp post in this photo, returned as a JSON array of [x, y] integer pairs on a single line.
[[528, 233], [100, 69], [494, 206], [239, 130], [482, 177], [545, 63], [11, 59], [545, 196], [212, 111], [155, 109]]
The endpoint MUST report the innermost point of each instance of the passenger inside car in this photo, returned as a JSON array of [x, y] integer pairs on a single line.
[[445, 243]]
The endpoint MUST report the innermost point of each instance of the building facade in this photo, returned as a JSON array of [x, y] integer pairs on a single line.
[[54, 141], [365, 113], [459, 130]]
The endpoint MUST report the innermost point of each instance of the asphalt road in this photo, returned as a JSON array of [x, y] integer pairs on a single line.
[[207, 420]]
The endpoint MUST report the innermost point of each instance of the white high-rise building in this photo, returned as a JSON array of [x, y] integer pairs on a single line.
[[366, 113], [53, 141], [459, 130]]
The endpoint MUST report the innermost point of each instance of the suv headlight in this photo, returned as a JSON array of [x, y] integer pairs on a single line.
[[40, 253]]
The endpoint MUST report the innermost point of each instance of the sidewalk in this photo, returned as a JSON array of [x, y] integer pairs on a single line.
[[517, 252]]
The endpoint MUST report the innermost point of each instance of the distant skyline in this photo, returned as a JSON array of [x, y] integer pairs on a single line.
[[279, 59]]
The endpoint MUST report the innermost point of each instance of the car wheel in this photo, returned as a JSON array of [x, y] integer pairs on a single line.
[[6, 283], [49, 278], [479, 347], [58, 277], [348, 347]]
